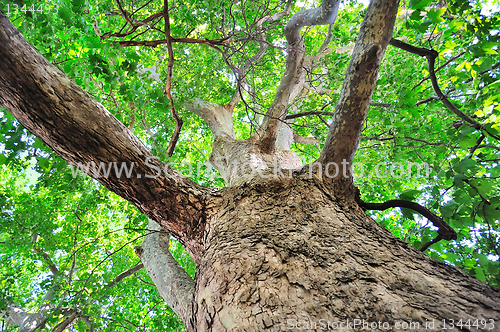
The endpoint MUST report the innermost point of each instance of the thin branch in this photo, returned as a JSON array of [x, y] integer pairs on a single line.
[[168, 86], [438, 69], [481, 73], [134, 269], [87, 321], [134, 27], [124, 13], [154, 43], [302, 114], [263, 46], [444, 230], [489, 146], [52, 266], [431, 56], [425, 246]]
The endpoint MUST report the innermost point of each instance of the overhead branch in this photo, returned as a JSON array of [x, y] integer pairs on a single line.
[[263, 46], [218, 117], [168, 85], [175, 286], [124, 13], [27, 322], [359, 83], [324, 14], [87, 321], [81, 130], [65, 323], [445, 232], [134, 269], [154, 43], [134, 27], [439, 68], [308, 113], [52, 266], [431, 56], [392, 138], [304, 140], [327, 40]]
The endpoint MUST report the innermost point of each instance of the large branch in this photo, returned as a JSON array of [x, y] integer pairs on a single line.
[[218, 117], [324, 14], [175, 286], [61, 327], [80, 130], [359, 83]]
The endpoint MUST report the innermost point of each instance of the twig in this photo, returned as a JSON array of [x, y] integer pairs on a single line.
[[431, 56], [438, 69], [168, 86], [124, 13], [154, 43], [445, 232]]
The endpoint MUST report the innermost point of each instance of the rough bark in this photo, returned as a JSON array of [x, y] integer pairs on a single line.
[[80, 130], [272, 252], [359, 83], [284, 251]]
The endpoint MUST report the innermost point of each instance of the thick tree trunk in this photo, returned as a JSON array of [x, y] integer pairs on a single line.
[[272, 254], [284, 253]]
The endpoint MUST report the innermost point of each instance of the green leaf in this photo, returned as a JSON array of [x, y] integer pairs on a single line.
[[66, 14], [410, 194], [419, 4], [466, 164], [446, 211]]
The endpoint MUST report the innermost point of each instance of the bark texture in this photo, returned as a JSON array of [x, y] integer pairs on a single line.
[[79, 129], [271, 251], [359, 83], [286, 251]]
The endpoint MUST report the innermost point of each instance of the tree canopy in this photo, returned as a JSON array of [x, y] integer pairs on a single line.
[[69, 242]]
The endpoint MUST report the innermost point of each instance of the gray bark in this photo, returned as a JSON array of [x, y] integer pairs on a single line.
[[326, 13], [27, 322], [175, 286]]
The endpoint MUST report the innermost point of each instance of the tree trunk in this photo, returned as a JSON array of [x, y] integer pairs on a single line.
[[272, 254], [285, 253]]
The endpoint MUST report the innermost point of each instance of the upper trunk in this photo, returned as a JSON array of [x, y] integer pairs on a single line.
[[287, 251]]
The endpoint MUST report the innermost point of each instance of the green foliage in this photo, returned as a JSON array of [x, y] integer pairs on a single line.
[[90, 233]]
